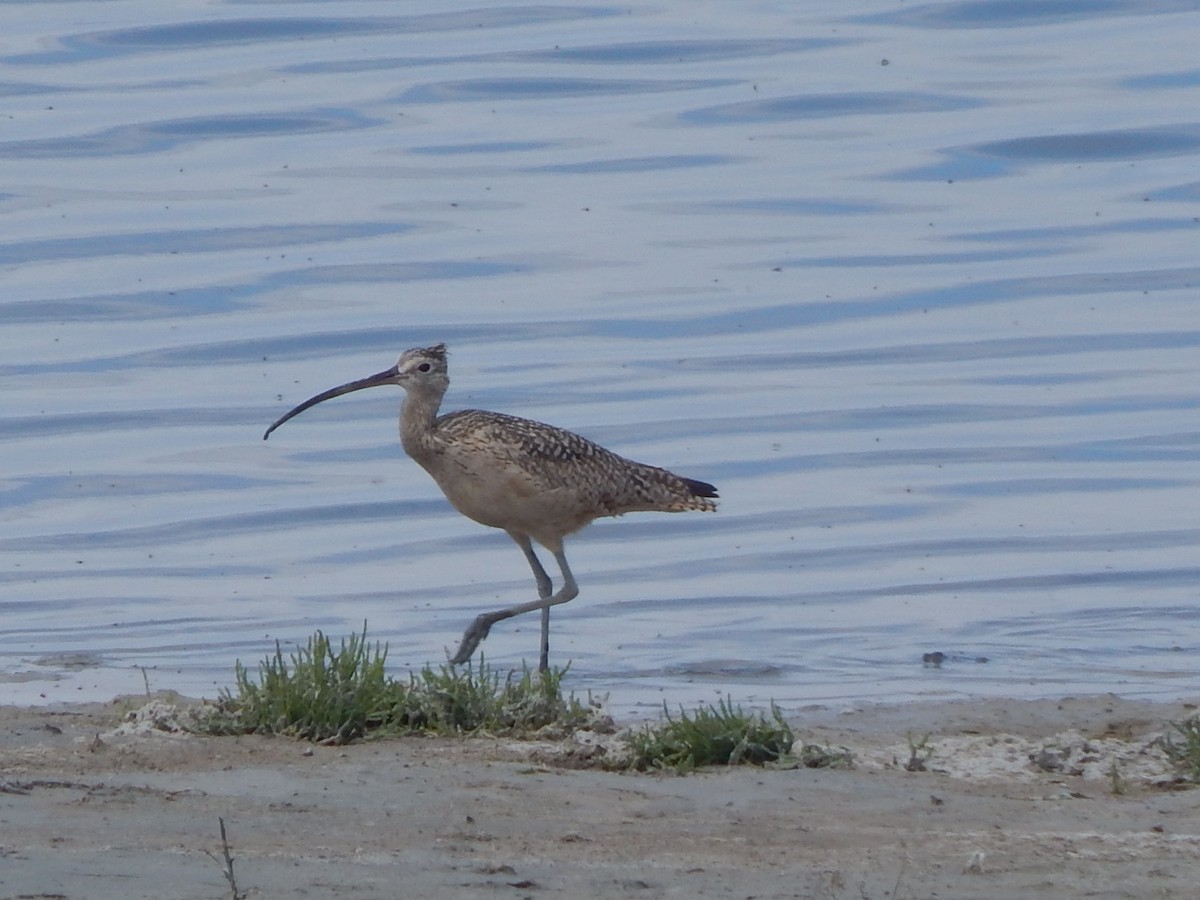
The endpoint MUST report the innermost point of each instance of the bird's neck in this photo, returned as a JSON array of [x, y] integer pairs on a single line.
[[417, 418]]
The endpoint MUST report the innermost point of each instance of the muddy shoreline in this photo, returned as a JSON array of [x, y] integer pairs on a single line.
[[1017, 798]]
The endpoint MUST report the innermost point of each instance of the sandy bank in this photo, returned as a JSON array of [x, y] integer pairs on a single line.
[[1018, 799]]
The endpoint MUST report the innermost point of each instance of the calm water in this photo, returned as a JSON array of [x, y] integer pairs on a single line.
[[916, 285]]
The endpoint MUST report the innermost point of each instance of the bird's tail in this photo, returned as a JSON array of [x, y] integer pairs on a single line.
[[702, 495], [649, 488]]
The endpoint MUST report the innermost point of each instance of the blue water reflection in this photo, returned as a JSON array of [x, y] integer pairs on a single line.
[[915, 288]]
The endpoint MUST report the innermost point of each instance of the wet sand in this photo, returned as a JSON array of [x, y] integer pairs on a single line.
[[1017, 799]]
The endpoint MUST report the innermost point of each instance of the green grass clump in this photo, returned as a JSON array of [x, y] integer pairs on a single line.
[[335, 695], [469, 699], [322, 694], [720, 735], [1183, 747]]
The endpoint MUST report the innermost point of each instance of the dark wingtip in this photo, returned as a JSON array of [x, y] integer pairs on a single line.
[[701, 488]]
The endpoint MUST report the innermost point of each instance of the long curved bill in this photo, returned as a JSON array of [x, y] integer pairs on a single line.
[[385, 377]]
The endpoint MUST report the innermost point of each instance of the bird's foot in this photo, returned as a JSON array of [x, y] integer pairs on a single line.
[[471, 639]]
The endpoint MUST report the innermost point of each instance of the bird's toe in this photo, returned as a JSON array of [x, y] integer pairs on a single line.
[[471, 639]]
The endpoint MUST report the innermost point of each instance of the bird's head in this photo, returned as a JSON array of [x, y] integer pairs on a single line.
[[421, 369]]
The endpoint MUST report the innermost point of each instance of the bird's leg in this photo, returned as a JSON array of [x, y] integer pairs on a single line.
[[539, 574], [544, 649], [544, 589], [478, 630]]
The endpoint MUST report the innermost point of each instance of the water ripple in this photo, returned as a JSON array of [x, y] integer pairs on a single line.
[[1023, 13], [234, 31], [476, 89], [823, 106], [207, 240], [168, 134]]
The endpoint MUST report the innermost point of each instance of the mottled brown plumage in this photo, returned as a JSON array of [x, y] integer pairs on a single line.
[[535, 481], [521, 475]]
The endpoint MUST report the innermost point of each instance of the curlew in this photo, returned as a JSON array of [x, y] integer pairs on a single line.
[[534, 481]]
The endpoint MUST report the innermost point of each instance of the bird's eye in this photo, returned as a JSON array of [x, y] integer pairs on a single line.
[[424, 367]]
